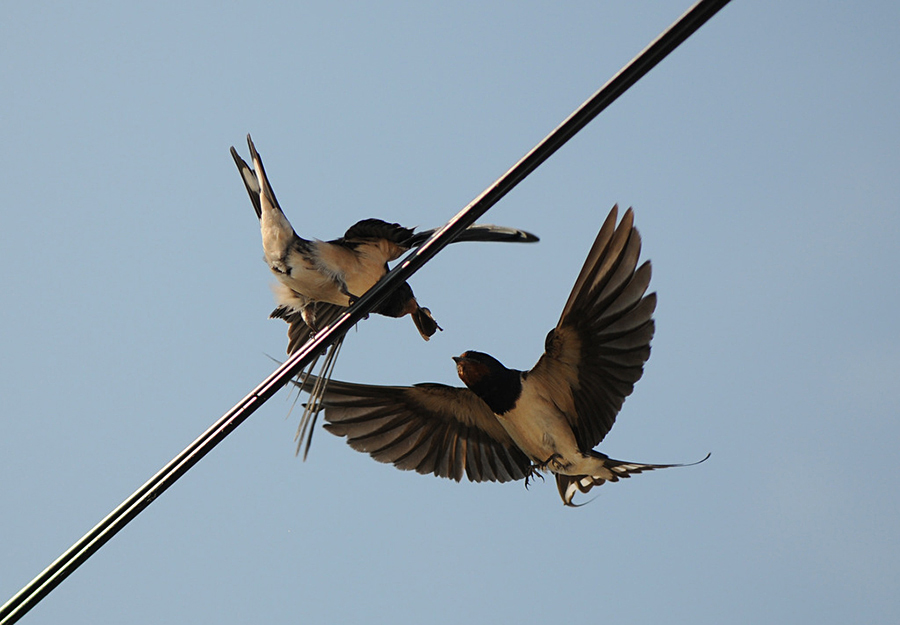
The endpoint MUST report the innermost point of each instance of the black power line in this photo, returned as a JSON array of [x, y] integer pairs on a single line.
[[63, 566]]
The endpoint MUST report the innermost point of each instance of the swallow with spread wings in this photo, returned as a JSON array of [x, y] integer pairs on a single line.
[[317, 279], [507, 424]]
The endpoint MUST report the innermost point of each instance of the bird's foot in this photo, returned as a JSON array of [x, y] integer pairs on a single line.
[[308, 314], [533, 472], [351, 298], [545, 465]]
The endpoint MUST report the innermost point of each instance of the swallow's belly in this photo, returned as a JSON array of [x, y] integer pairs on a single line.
[[313, 285], [540, 429]]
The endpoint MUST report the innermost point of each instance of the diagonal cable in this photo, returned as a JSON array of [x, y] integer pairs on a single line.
[[63, 566]]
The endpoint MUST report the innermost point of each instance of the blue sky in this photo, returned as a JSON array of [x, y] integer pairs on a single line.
[[762, 162]]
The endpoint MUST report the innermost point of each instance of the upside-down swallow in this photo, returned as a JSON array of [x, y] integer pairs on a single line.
[[339, 271], [506, 423]]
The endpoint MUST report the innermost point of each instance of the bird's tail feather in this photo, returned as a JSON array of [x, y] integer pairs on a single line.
[[250, 181], [315, 385], [265, 188], [255, 181], [611, 471]]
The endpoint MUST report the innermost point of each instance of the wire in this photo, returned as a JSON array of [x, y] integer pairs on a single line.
[[69, 561]]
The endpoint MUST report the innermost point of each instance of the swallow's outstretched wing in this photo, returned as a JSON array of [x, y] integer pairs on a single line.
[[480, 232], [429, 428], [597, 351]]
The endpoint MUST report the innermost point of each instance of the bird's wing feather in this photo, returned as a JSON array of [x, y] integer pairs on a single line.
[[375, 238], [298, 331], [597, 351], [480, 232], [429, 428], [370, 229]]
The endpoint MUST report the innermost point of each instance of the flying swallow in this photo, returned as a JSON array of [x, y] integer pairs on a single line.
[[507, 424], [317, 279]]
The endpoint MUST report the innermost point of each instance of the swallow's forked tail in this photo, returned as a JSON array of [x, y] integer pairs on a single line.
[[609, 471]]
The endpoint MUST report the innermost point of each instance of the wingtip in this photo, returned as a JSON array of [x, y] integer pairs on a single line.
[[501, 234]]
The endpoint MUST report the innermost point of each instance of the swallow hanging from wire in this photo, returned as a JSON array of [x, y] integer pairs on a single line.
[[317, 280], [339, 271], [507, 424]]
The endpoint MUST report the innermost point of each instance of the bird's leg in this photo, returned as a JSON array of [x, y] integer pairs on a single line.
[[352, 299], [309, 318], [350, 296], [545, 465]]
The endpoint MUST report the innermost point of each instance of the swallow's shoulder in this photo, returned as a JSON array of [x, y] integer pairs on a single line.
[[375, 229]]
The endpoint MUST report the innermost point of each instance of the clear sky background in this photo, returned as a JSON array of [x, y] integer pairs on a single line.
[[763, 162]]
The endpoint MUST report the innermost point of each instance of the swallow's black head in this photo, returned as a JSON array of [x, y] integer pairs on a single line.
[[486, 376], [401, 301]]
